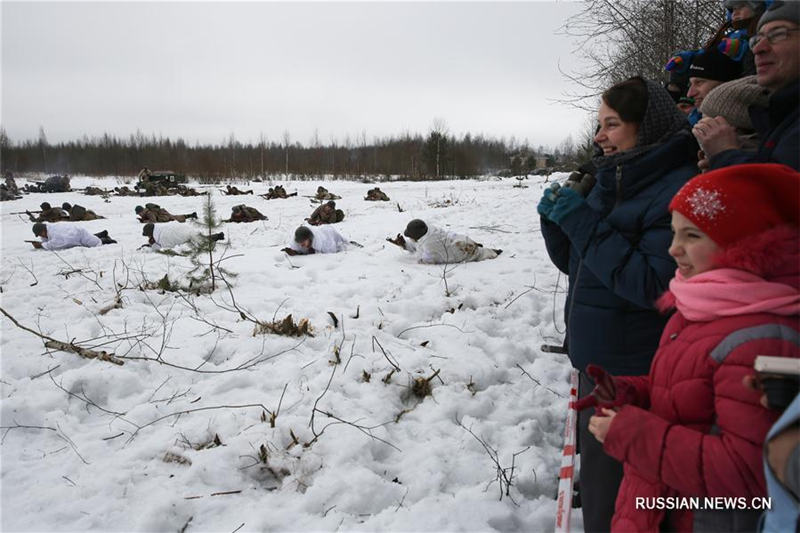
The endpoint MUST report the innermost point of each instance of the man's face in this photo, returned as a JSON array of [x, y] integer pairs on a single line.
[[777, 64], [305, 244], [699, 89]]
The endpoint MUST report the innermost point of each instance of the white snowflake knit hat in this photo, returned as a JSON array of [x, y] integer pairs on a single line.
[[732, 203]]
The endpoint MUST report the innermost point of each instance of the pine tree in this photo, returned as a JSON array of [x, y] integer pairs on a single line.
[[203, 277]]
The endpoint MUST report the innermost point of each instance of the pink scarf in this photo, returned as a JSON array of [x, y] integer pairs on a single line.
[[729, 292]]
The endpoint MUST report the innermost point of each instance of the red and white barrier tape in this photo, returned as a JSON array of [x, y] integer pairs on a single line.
[[566, 474]]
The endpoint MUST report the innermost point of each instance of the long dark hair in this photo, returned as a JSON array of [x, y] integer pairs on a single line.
[[628, 98]]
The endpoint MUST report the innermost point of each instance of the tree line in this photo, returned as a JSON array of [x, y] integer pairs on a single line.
[[437, 155], [615, 39]]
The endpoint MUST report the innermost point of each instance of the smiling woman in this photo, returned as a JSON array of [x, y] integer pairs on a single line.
[[613, 244]]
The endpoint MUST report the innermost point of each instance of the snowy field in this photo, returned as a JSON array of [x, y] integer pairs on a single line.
[[183, 440]]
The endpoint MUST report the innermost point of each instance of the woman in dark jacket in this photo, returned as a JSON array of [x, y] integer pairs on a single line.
[[613, 245]]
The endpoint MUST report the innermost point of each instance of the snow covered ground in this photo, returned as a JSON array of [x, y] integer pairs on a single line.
[[121, 452]]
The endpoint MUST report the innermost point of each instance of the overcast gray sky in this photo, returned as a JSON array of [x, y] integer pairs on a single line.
[[202, 71]]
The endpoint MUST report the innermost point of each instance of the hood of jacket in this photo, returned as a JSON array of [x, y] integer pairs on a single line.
[[662, 120]]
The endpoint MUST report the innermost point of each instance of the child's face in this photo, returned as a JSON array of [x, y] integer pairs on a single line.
[[692, 249], [742, 12]]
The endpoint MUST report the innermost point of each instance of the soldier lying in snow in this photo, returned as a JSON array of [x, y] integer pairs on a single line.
[[323, 194], [67, 236], [55, 184], [95, 191], [434, 245], [9, 190], [376, 195], [173, 234], [156, 214], [243, 213], [235, 191], [326, 214], [323, 240], [125, 191], [48, 214], [277, 192], [79, 213]]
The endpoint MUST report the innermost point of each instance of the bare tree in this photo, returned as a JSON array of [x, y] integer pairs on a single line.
[[618, 39], [287, 138]]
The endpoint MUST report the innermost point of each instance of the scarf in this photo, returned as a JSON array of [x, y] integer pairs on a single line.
[[727, 292], [662, 120]]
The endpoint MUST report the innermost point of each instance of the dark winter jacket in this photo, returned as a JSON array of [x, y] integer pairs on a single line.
[[778, 127], [617, 261], [696, 430]]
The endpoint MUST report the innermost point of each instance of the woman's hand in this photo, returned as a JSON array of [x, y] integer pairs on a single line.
[[600, 424]]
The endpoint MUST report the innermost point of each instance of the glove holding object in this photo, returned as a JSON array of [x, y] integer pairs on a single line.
[[608, 392]]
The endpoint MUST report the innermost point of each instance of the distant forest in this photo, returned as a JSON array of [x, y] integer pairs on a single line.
[[437, 156]]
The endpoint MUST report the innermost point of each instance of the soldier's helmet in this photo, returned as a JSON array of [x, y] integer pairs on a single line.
[[139, 209]]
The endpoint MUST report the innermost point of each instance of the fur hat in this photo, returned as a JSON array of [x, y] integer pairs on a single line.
[[711, 64], [39, 228], [416, 229], [139, 209], [740, 201], [731, 100], [44, 206], [66, 206], [781, 10], [331, 203], [148, 228], [303, 233]]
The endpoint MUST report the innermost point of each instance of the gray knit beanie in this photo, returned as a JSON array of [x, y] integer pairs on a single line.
[[781, 10], [731, 100]]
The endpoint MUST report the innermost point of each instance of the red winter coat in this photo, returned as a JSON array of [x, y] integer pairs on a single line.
[[697, 431]]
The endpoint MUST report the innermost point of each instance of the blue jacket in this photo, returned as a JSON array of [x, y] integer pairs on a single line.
[[614, 249], [785, 512], [778, 128]]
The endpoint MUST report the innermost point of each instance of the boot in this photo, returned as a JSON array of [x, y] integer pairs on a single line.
[[102, 235], [498, 251], [192, 215], [218, 236]]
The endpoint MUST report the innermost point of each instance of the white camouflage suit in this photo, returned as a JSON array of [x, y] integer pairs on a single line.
[[439, 246]]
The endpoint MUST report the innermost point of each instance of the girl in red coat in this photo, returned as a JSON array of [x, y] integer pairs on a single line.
[[691, 429]]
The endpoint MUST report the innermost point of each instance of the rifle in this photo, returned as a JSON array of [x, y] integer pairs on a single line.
[[24, 212]]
